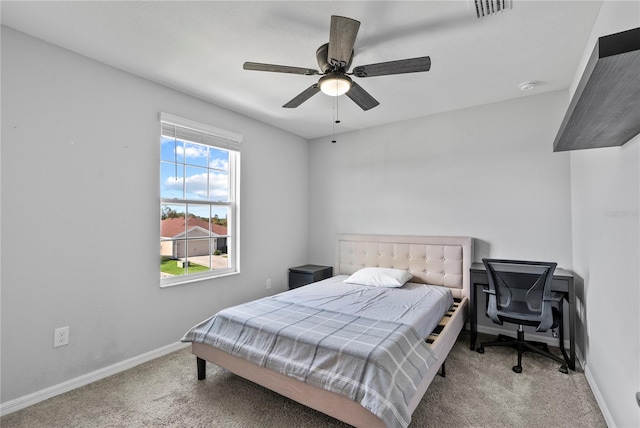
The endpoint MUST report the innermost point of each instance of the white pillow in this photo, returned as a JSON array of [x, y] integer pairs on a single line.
[[380, 277]]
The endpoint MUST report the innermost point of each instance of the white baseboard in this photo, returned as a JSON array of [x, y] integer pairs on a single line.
[[45, 394], [596, 393]]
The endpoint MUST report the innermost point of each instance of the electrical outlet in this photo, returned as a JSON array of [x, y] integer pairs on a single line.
[[268, 283], [60, 336]]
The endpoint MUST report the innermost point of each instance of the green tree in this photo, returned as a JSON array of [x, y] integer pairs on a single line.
[[167, 212]]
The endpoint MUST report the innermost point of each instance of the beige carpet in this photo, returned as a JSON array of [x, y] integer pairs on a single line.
[[478, 391]]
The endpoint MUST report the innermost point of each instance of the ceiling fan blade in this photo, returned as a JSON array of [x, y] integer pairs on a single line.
[[412, 65], [342, 37], [303, 96], [361, 97], [256, 66]]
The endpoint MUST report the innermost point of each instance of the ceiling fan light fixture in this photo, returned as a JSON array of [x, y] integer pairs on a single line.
[[334, 84]]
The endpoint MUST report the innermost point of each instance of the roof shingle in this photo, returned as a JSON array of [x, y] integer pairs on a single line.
[[171, 227]]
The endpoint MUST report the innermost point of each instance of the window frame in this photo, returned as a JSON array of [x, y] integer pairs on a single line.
[[222, 140]]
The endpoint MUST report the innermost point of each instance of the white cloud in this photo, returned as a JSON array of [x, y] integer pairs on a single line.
[[219, 186], [197, 185], [192, 151], [173, 183], [219, 164]]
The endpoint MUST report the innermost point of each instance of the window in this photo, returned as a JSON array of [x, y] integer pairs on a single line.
[[199, 194]]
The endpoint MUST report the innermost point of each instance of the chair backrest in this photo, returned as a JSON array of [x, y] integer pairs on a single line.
[[520, 291]]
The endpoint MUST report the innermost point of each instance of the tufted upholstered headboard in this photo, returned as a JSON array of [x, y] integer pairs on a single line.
[[437, 260]]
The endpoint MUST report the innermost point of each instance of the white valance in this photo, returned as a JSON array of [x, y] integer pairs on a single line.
[[189, 130]]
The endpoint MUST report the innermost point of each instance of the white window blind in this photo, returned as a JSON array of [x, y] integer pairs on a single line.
[[185, 129]]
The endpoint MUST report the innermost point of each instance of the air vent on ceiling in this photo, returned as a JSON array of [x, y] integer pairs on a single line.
[[485, 8]]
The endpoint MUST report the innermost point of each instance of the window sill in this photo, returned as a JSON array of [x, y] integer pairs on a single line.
[[170, 282]]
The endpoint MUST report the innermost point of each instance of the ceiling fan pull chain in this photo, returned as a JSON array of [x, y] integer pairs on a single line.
[[335, 120]]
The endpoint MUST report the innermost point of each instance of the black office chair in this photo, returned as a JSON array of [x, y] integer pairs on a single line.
[[520, 293]]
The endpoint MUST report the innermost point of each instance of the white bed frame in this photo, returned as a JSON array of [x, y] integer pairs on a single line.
[[434, 260]]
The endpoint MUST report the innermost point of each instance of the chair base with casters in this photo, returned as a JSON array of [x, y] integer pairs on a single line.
[[523, 346]]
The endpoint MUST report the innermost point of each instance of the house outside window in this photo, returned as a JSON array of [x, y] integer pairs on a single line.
[[199, 201]]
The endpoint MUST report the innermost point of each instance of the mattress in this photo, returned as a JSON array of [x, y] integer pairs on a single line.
[[418, 305]]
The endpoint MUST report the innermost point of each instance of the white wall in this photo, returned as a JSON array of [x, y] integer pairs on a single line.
[[605, 187], [487, 172], [80, 215]]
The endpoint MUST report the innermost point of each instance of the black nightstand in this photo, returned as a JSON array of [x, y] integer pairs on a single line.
[[303, 275]]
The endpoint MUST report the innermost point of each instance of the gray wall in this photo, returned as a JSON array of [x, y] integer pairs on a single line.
[[606, 248], [487, 172], [80, 215], [605, 189]]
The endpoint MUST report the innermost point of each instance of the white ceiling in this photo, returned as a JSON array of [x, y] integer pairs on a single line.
[[199, 48]]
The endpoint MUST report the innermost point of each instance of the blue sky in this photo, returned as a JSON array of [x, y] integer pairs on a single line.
[[194, 171]]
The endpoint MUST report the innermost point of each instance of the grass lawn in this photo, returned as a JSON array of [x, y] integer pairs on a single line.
[[171, 267]]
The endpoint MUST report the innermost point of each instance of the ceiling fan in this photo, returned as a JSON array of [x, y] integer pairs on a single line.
[[334, 59]]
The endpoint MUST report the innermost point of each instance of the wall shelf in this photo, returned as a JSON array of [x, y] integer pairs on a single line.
[[605, 109]]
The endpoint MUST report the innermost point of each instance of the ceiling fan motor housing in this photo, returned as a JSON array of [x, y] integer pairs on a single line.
[[323, 61]]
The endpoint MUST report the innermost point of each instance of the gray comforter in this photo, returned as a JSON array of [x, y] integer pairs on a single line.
[[375, 363]]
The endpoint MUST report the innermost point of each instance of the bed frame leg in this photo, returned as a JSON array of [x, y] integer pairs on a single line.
[[202, 368], [442, 370]]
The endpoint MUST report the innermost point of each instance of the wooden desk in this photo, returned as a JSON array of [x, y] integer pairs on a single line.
[[562, 282]]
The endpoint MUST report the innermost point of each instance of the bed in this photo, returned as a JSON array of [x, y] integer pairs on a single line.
[[443, 262]]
